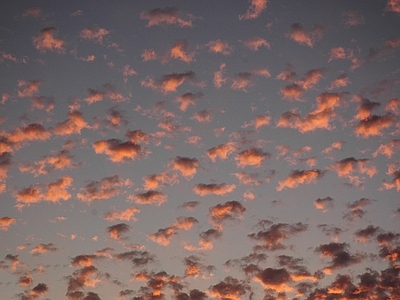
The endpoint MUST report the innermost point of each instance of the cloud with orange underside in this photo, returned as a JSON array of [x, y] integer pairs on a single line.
[[296, 89], [122, 215], [393, 6], [73, 125], [185, 165], [253, 157], [47, 41], [6, 222], [258, 122], [304, 37], [188, 99], [374, 125], [219, 46], [150, 197], [169, 83], [167, 16], [388, 149], [221, 151], [255, 43], [154, 181], [119, 151], [31, 132], [219, 78], [28, 88], [230, 210], [348, 166], [221, 189], [255, 10], [298, 177], [104, 189], [94, 34]]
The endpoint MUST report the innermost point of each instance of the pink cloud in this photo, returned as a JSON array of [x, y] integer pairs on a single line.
[[119, 151], [167, 16], [351, 18], [219, 79], [29, 88], [251, 157], [393, 6], [6, 222], [255, 43], [222, 189], [300, 35], [73, 125], [149, 197], [255, 9], [219, 46], [203, 116], [170, 83], [188, 99], [298, 177], [228, 211], [94, 34], [374, 125], [221, 151], [185, 165], [46, 41]]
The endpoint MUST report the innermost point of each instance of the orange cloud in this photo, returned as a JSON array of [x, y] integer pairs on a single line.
[[323, 203], [298, 88], [6, 222], [170, 83], [203, 116], [255, 43], [373, 125], [340, 81], [43, 248], [28, 88], [187, 166], [123, 215], [94, 34], [388, 149], [227, 211], [154, 181], [248, 179], [393, 105], [255, 9], [393, 6], [242, 81], [163, 236], [346, 167], [251, 157], [188, 99], [116, 231], [108, 92], [222, 189], [46, 41], [219, 79], [230, 288], [337, 53], [219, 46], [300, 35], [104, 189], [365, 109], [258, 122], [149, 197], [277, 280], [351, 18], [73, 125], [297, 177], [335, 146], [168, 16], [221, 151], [119, 151], [32, 132], [180, 51]]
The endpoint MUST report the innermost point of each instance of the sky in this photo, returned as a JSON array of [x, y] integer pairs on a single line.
[[200, 150]]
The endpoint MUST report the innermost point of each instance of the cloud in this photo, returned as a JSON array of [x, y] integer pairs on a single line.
[[355, 209], [248, 179], [6, 222], [393, 6], [94, 34], [28, 88], [84, 260], [205, 242], [35, 12], [341, 81], [258, 122], [167, 16], [218, 46], [150, 197], [363, 235], [180, 50], [43, 248], [46, 41], [116, 231], [346, 167], [255, 43], [300, 35], [393, 105], [152, 182], [188, 99], [222, 189], [218, 78], [119, 151], [271, 239], [323, 203], [221, 151], [299, 87], [242, 81], [169, 83], [185, 165], [274, 279], [340, 256], [108, 92], [251, 157], [335, 146], [73, 125], [351, 18], [374, 125], [230, 288], [53, 192], [228, 211], [190, 205], [365, 109], [104, 189], [163, 236], [43, 103], [297, 177], [31, 132], [122, 215], [195, 268], [255, 9]]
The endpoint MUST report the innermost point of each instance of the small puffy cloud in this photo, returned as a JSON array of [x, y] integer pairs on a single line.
[[221, 151], [337, 53], [31, 132], [194, 268], [127, 71], [188, 99], [393, 6], [205, 242], [363, 235], [108, 92], [219, 78], [47, 41], [38, 291], [394, 170], [242, 81], [393, 105], [248, 179], [167, 16], [258, 122], [94, 34], [228, 211], [170, 82], [255, 9], [83, 260], [104, 189], [340, 256], [190, 205], [297, 177], [116, 231], [122, 215], [152, 182], [335, 146], [203, 116], [230, 288], [52, 192], [150, 197], [163, 236], [277, 280], [73, 125], [356, 209], [255, 43], [43, 248], [323, 203], [251, 157], [364, 110], [339, 82], [388, 149], [288, 74], [6, 222], [351, 18], [180, 50], [302, 36], [43, 103], [299, 87], [221, 189], [374, 125], [218, 46], [271, 239], [346, 167], [28, 88], [119, 151], [185, 165]]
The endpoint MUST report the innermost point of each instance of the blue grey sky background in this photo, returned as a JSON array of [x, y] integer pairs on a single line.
[[199, 150]]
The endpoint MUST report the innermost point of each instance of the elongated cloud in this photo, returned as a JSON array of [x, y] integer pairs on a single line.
[[152, 182], [277, 280], [31, 132], [227, 211], [255, 9], [219, 78], [255, 43], [221, 189], [302, 36], [47, 41], [185, 165], [388, 149], [119, 151], [73, 125], [94, 34], [374, 125], [221, 151], [6, 222], [43, 248], [218, 46], [108, 92], [104, 189], [170, 83], [253, 157], [188, 99], [348, 166], [298, 177], [150, 197], [167, 16]]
